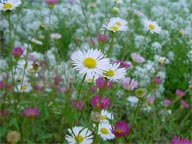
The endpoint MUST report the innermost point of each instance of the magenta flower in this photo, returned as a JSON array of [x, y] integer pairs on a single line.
[[166, 102], [180, 92], [57, 80], [120, 129], [99, 104], [38, 88], [78, 104], [122, 64], [109, 83], [93, 89], [177, 140], [157, 80], [102, 38], [51, 2], [184, 104], [100, 82], [129, 84], [17, 52], [31, 112]]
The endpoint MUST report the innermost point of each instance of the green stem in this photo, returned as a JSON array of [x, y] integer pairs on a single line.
[[137, 109], [143, 42], [80, 87], [110, 50]]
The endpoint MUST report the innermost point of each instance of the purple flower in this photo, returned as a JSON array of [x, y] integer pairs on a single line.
[[129, 84], [78, 104], [177, 140], [93, 89], [17, 52], [180, 92], [190, 81], [57, 80], [100, 82], [31, 112], [102, 38], [166, 102], [157, 80], [120, 129], [150, 99], [38, 88], [122, 64], [51, 2], [99, 104], [184, 104]]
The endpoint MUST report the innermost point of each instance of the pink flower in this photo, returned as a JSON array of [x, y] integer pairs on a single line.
[[157, 80], [100, 82], [99, 104], [78, 104], [1, 84], [93, 89], [137, 58], [57, 80], [17, 52], [177, 140], [184, 104], [31, 112], [180, 92], [129, 84], [51, 2], [150, 99], [120, 129], [102, 38], [38, 88], [166, 102], [122, 64], [190, 81]]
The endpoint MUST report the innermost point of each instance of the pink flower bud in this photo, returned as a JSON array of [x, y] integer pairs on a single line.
[[120, 129]]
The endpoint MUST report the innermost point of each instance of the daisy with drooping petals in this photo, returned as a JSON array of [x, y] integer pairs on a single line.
[[91, 63], [116, 24], [79, 135], [104, 131], [9, 4], [114, 73], [152, 26]]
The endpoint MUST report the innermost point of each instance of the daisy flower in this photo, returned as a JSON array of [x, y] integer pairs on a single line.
[[79, 135], [9, 4], [23, 87], [116, 24], [114, 73], [105, 116], [104, 131], [152, 26], [91, 63]]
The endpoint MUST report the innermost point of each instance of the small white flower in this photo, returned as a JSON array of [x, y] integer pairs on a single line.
[[152, 26], [163, 60], [116, 24], [55, 36], [105, 116], [92, 63], [132, 99], [79, 135], [137, 58], [114, 73], [9, 4], [104, 131], [36, 41], [23, 87]]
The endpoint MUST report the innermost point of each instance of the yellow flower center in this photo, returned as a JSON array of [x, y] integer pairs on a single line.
[[23, 88], [118, 23], [150, 26], [89, 63], [114, 28], [79, 138], [31, 69], [102, 117], [118, 131], [7, 6], [109, 73], [104, 131]]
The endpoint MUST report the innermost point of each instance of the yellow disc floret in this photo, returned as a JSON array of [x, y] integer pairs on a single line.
[[89, 63]]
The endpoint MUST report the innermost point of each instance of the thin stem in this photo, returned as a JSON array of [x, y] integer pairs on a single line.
[[110, 50], [137, 109], [80, 87]]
